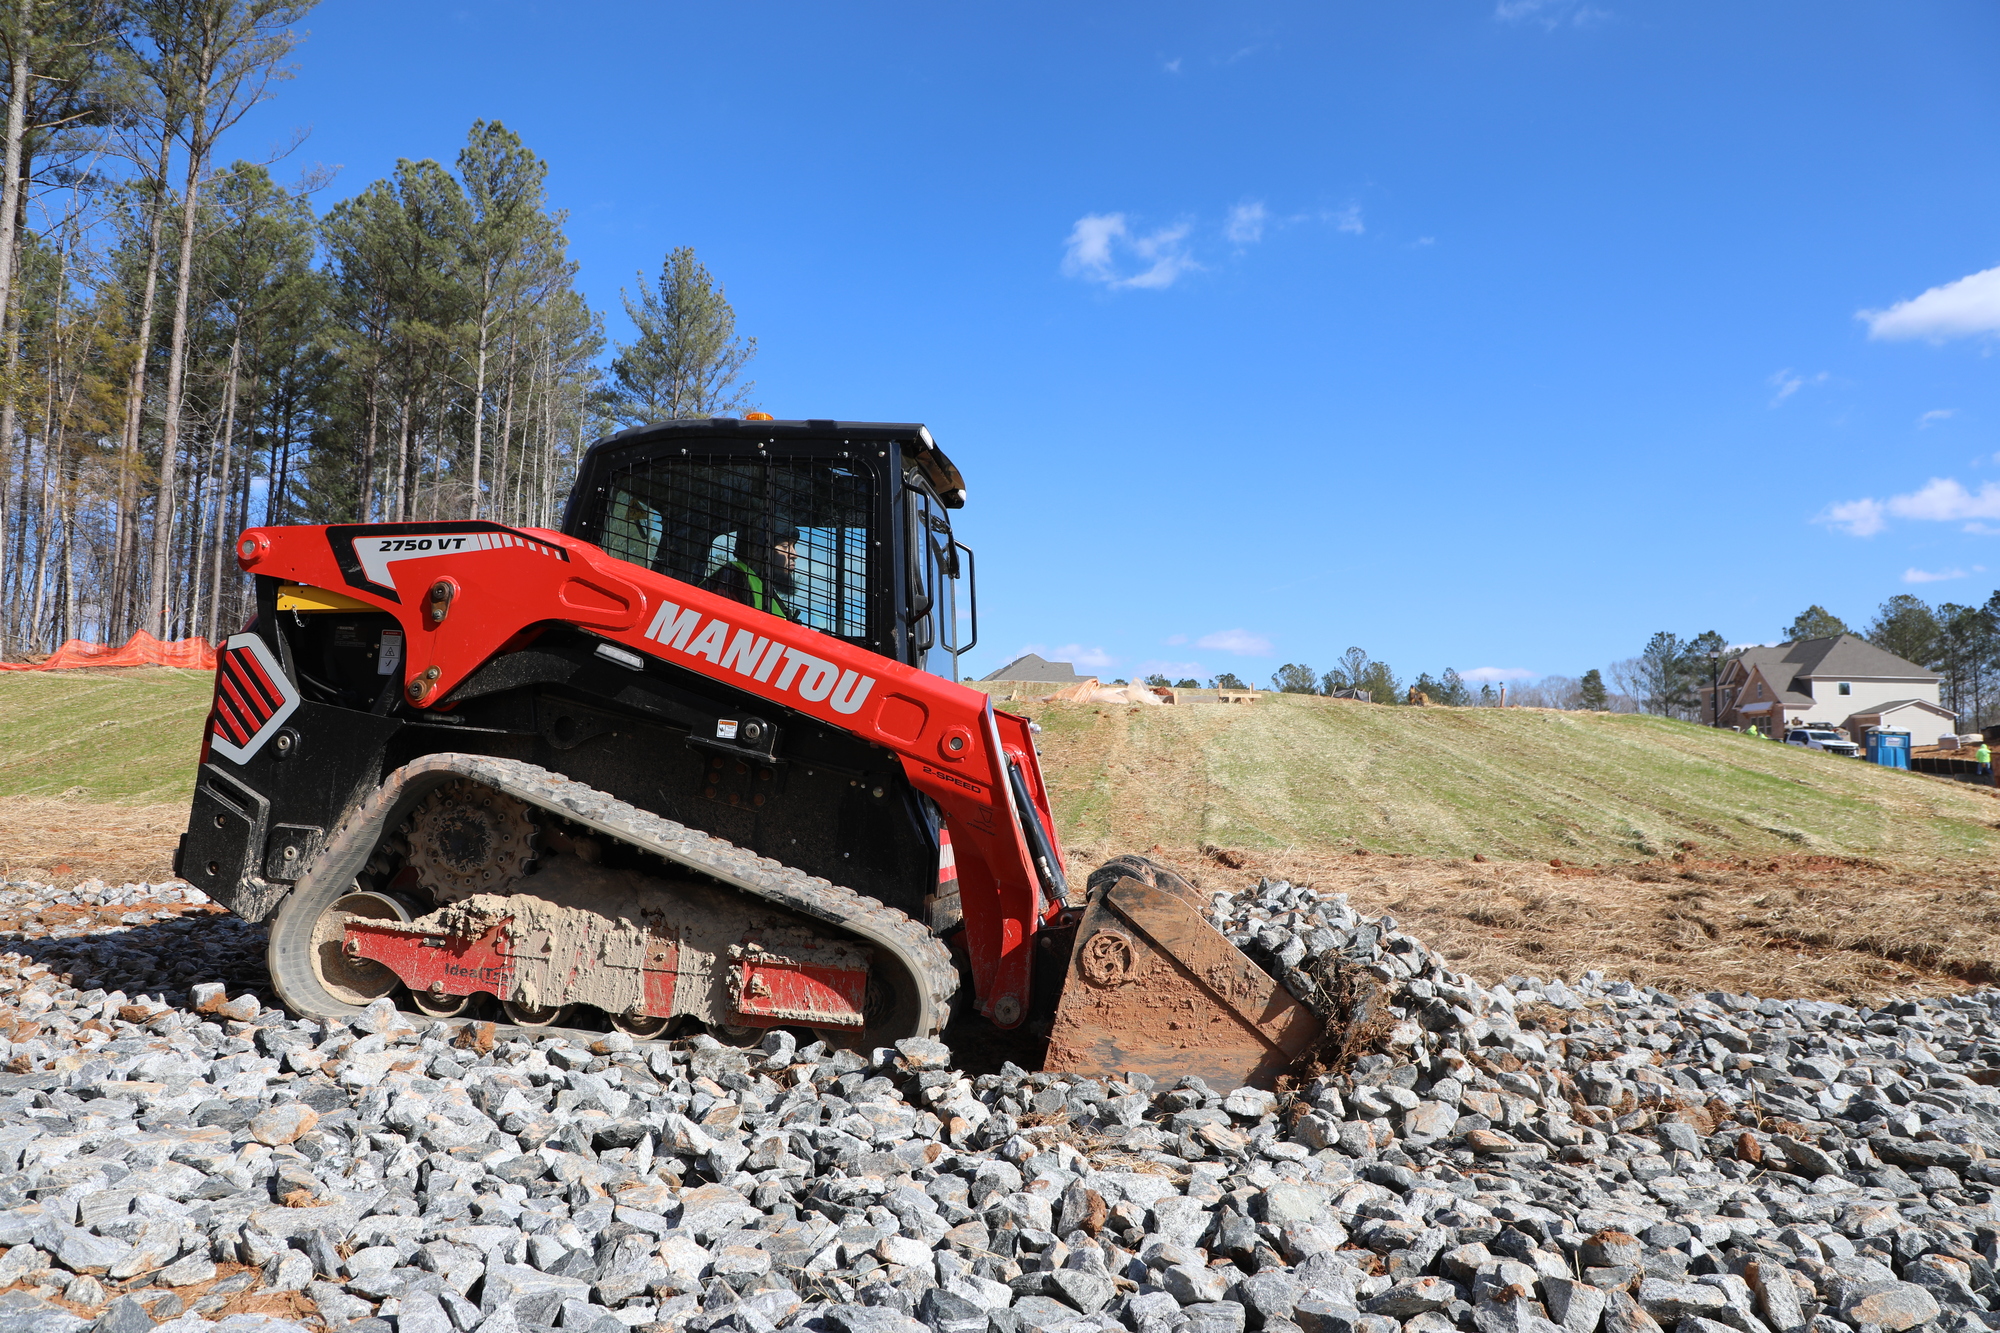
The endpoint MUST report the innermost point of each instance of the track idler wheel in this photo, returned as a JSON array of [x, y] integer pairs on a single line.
[[537, 1015], [358, 981], [640, 1025], [439, 1005]]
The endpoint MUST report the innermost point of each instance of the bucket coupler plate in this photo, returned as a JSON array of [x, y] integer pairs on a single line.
[[1153, 987]]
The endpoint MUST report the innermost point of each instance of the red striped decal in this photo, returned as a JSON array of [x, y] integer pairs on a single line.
[[272, 694], [231, 689]]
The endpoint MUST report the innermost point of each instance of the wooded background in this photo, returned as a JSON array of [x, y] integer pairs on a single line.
[[192, 344]]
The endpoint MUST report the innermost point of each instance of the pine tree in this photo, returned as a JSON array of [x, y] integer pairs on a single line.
[[1815, 622], [1295, 678], [1591, 690], [1381, 683], [686, 357], [1908, 628]]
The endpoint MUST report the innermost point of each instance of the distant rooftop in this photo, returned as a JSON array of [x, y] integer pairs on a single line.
[[1033, 667]]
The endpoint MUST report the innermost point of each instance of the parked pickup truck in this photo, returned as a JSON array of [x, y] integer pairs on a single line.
[[1830, 741]]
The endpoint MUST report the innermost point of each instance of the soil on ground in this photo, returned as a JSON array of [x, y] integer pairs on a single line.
[[1815, 927]]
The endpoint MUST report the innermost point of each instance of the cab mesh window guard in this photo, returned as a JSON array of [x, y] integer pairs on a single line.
[[794, 530]]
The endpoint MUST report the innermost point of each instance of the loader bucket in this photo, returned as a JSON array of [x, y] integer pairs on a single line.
[[1153, 987]]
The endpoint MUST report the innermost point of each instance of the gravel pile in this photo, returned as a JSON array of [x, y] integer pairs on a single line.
[[1517, 1159]]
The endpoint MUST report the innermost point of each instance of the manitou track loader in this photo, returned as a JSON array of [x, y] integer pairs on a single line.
[[699, 761]]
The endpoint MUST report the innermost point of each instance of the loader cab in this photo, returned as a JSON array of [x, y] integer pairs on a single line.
[[841, 526]]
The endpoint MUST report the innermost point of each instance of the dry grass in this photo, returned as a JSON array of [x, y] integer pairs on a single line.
[[62, 841]]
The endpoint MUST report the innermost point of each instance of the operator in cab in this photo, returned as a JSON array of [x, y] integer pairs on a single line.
[[760, 572]]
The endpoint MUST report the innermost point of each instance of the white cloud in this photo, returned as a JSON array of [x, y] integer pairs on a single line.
[[1099, 240], [1935, 414], [1090, 659], [1089, 253], [1939, 500], [1172, 66], [1348, 220], [1943, 500], [1239, 641], [1093, 659], [1955, 310], [1493, 675], [1789, 382], [1859, 518], [1245, 225], [1550, 14], [1914, 575]]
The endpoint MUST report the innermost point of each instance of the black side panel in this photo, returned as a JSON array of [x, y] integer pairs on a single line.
[[224, 828], [245, 818]]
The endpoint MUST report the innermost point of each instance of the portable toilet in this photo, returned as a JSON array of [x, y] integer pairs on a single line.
[[1888, 746]]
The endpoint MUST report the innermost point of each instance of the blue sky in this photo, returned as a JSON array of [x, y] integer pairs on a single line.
[[1485, 336]]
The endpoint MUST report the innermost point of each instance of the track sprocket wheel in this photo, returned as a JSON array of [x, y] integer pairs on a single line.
[[468, 838]]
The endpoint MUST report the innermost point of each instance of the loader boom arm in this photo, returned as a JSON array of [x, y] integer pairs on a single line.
[[466, 592]]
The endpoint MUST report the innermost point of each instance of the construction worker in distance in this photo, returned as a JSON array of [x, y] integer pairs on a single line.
[[761, 590], [1984, 757], [1755, 734]]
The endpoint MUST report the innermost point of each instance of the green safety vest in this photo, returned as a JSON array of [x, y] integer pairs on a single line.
[[1985, 755], [759, 599]]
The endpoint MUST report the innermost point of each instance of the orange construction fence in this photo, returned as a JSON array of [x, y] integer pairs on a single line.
[[142, 649]]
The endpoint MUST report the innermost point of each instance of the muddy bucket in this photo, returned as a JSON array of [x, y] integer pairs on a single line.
[[1153, 987]]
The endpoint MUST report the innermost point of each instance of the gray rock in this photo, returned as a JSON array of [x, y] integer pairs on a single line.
[[124, 1315], [1622, 1314], [1323, 1315], [1287, 1205], [1267, 1296], [1215, 1317], [1669, 1302], [1778, 1296], [1575, 1306], [536, 1297], [1086, 1291], [1414, 1297], [1194, 1284], [1889, 1305]]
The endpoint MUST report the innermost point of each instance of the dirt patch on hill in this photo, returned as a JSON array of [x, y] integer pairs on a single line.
[[1817, 927]]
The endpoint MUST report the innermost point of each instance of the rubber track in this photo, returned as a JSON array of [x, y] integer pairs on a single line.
[[922, 954]]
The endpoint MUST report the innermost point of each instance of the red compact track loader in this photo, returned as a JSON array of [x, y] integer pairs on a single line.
[[699, 761]]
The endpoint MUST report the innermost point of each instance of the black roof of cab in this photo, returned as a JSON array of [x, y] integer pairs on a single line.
[[938, 470]]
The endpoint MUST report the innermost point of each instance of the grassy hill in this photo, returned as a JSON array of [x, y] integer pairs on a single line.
[[1296, 772], [130, 736], [1290, 772]]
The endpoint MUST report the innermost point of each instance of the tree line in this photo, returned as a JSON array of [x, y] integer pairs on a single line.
[[1358, 674], [191, 345]]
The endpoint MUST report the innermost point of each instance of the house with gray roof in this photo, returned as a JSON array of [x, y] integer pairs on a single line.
[[1031, 668], [1844, 681]]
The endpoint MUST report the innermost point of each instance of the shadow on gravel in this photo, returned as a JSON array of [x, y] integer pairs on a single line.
[[165, 958]]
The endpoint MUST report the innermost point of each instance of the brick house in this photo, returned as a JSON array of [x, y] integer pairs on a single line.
[[1844, 681]]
